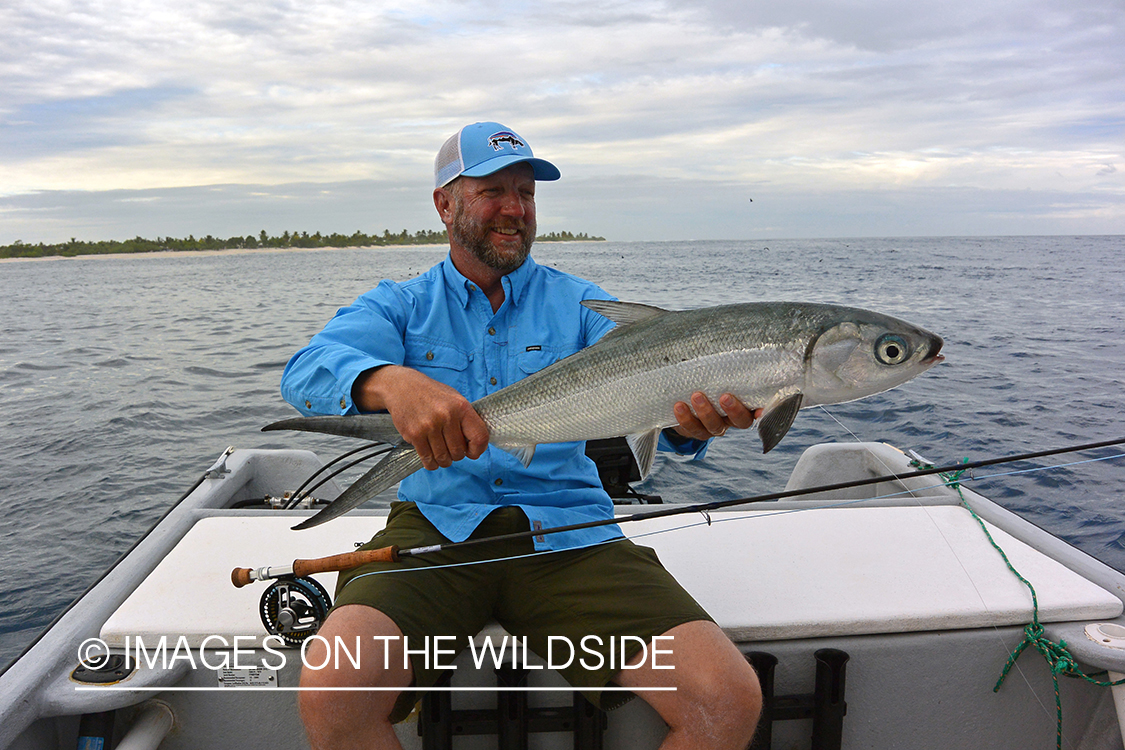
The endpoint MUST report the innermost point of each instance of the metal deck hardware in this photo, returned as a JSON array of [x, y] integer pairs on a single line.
[[512, 721], [825, 705]]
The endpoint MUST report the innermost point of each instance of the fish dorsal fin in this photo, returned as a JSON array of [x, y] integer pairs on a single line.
[[623, 313], [643, 445], [777, 420]]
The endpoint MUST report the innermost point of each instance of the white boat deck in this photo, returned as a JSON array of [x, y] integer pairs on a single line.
[[914, 578], [763, 575]]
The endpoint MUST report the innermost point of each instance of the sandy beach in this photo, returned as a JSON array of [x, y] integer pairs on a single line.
[[198, 253]]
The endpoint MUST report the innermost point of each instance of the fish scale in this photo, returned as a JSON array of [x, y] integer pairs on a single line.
[[637, 400], [776, 356], [632, 387]]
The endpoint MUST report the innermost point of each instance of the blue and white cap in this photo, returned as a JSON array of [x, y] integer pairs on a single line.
[[483, 148]]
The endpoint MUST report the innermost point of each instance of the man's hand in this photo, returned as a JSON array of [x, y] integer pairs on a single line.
[[706, 422], [438, 421]]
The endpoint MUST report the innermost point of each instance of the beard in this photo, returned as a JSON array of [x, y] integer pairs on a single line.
[[473, 236]]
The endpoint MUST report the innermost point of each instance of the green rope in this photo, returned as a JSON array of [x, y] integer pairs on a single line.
[[1059, 660]]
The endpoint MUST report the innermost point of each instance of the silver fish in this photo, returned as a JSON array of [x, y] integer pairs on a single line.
[[777, 356]]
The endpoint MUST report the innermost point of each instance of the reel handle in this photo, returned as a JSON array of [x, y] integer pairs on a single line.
[[244, 576]]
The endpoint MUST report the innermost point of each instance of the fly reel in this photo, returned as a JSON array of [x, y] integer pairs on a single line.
[[294, 608]]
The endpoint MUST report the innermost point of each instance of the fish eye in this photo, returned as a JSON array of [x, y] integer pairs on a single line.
[[891, 349]]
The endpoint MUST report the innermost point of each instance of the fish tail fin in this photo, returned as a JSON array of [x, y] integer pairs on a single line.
[[400, 463], [377, 427]]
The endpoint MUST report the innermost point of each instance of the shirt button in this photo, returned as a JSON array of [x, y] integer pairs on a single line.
[[498, 482], [308, 404], [429, 356], [491, 331], [343, 404], [492, 380]]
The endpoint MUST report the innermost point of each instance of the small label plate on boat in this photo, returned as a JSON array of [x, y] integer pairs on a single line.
[[256, 677]]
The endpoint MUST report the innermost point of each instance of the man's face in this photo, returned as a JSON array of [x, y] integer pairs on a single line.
[[494, 216]]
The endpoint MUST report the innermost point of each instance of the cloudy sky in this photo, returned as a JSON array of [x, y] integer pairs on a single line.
[[668, 118]]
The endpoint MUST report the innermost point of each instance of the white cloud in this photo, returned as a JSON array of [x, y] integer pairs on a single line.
[[814, 96]]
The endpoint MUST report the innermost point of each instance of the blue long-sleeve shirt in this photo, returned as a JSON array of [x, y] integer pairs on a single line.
[[442, 325]]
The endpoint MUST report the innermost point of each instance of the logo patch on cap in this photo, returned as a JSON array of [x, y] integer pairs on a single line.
[[497, 140]]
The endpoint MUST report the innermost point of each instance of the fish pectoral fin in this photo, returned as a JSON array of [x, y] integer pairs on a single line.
[[776, 422], [524, 453], [623, 313], [643, 445]]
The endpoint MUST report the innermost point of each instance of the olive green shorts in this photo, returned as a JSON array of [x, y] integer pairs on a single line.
[[583, 599]]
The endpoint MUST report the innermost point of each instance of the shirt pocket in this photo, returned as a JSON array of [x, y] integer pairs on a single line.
[[536, 358], [442, 362]]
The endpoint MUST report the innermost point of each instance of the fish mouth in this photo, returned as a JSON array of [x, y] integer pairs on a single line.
[[934, 355]]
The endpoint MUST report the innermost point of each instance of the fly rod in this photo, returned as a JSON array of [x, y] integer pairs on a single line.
[[243, 576]]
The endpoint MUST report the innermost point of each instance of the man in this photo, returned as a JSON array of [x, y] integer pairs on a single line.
[[422, 350]]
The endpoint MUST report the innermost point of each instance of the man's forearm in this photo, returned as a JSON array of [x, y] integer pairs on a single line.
[[368, 390]]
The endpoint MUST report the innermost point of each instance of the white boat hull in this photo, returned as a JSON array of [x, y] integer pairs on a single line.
[[907, 587]]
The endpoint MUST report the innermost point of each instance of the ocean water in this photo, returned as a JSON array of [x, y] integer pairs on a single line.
[[123, 378]]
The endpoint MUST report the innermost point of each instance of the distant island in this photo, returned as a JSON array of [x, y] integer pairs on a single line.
[[250, 242]]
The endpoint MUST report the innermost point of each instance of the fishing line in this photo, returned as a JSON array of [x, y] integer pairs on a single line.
[[871, 453], [243, 576], [925, 509], [955, 481], [1053, 466], [752, 515], [708, 522], [949, 546], [393, 553], [856, 501], [837, 421], [484, 561], [755, 515], [704, 508]]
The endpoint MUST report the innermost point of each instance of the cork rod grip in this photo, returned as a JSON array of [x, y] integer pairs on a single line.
[[243, 576], [346, 561]]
